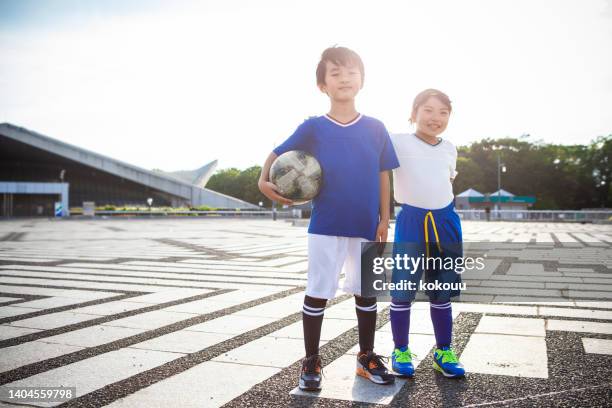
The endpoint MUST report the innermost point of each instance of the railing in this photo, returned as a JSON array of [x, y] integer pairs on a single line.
[[494, 215], [537, 215], [212, 213]]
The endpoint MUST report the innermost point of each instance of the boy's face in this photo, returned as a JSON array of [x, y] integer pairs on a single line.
[[432, 117], [342, 83]]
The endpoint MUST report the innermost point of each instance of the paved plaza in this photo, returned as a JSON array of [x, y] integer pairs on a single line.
[[207, 312]]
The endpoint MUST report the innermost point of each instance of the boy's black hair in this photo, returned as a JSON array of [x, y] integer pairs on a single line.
[[340, 56]]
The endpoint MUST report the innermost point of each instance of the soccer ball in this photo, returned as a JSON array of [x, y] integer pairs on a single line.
[[297, 175]]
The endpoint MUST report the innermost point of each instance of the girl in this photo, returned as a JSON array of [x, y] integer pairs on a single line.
[[426, 226]]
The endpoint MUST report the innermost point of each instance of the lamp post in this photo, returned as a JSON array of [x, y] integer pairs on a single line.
[[501, 168], [273, 210]]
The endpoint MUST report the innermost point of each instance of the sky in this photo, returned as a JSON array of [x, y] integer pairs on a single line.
[[175, 85]]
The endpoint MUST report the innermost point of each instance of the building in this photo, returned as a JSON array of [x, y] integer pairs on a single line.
[[198, 177], [37, 171], [471, 199]]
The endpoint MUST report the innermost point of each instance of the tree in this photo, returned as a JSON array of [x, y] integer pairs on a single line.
[[241, 184], [560, 176]]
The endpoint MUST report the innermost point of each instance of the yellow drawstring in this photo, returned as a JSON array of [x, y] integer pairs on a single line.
[[433, 223]]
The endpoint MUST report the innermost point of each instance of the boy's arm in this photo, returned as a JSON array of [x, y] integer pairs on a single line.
[[266, 187], [385, 202]]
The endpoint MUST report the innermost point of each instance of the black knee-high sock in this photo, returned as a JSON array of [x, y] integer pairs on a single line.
[[366, 321], [312, 318]]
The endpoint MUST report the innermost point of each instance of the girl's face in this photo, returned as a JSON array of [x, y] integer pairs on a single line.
[[431, 117]]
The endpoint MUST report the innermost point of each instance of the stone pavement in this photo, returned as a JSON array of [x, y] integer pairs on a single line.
[[207, 312]]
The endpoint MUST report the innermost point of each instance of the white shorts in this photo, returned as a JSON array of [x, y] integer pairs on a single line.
[[328, 256]]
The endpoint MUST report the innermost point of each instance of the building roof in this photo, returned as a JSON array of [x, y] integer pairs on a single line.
[[195, 194], [502, 193], [198, 177], [470, 192]]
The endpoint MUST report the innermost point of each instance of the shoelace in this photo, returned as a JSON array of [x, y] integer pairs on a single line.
[[405, 356], [378, 360], [311, 364], [448, 356]]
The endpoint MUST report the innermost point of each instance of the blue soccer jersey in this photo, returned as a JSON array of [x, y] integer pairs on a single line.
[[351, 157]]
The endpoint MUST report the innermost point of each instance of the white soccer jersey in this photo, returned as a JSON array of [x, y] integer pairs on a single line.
[[424, 177]]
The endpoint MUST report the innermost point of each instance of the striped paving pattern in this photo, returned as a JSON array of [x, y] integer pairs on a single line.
[[205, 313]]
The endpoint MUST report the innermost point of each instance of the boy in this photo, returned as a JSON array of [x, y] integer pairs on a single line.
[[355, 153]]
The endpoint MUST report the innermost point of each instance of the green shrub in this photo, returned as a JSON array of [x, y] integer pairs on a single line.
[[202, 208]]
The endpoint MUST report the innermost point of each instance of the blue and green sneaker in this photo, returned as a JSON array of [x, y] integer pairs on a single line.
[[401, 361], [446, 362]]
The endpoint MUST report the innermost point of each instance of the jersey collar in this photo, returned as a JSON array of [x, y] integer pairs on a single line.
[[352, 122], [427, 143]]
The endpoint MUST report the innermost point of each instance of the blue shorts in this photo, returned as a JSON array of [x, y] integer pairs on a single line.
[[420, 233]]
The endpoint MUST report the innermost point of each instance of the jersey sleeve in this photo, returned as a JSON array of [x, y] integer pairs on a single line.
[[388, 158], [301, 139]]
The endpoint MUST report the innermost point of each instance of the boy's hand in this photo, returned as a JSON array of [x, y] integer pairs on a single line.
[[382, 231], [271, 191]]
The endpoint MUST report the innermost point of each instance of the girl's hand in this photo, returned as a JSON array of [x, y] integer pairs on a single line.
[[271, 191], [382, 231]]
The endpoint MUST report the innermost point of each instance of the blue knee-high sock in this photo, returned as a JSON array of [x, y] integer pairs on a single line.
[[442, 319], [400, 322]]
